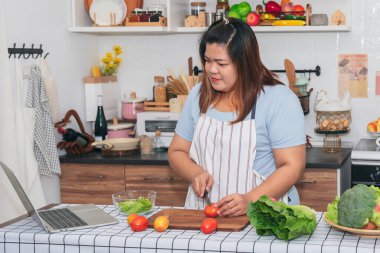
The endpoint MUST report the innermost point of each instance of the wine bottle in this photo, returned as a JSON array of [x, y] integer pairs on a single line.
[[100, 121], [70, 135]]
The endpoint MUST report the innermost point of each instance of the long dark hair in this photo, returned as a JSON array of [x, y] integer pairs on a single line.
[[243, 50]]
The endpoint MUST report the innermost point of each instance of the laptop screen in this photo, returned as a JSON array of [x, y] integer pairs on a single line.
[[21, 193]]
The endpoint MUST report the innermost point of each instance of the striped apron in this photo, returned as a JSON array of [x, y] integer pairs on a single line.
[[227, 152]]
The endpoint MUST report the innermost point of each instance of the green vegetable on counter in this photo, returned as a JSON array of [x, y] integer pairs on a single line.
[[332, 211], [139, 205], [279, 219], [356, 207]]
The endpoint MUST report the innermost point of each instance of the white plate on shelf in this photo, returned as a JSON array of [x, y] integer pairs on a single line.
[[108, 12]]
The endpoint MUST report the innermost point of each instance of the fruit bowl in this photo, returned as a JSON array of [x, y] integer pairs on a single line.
[[134, 201]]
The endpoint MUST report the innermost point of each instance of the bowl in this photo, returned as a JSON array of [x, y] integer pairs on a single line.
[[118, 143], [134, 201]]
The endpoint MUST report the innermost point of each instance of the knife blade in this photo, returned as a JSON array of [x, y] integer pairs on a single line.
[[206, 198]]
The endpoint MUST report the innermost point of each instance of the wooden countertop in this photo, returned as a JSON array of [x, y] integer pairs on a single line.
[[316, 158]]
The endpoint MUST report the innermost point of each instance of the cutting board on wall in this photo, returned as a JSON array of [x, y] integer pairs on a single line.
[[188, 219]]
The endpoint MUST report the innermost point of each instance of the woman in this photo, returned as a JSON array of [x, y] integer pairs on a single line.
[[241, 133]]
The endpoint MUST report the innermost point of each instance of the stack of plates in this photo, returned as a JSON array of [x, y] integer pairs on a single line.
[[108, 12]]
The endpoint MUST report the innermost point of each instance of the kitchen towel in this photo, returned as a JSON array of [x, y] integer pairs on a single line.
[[51, 89], [45, 149]]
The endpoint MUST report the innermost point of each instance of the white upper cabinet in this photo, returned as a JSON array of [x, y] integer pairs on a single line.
[[178, 9]]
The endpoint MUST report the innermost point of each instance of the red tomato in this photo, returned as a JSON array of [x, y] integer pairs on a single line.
[[370, 226], [139, 224], [211, 210], [377, 208], [299, 10], [208, 225], [131, 217]]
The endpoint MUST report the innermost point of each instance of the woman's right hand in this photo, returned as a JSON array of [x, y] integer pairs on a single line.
[[201, 182]]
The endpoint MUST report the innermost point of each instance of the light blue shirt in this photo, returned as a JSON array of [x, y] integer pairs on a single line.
[[279, 119]]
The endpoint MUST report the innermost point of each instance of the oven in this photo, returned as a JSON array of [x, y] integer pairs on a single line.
[[365, 163]]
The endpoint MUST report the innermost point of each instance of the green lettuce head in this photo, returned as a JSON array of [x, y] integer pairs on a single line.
[[279, 219]]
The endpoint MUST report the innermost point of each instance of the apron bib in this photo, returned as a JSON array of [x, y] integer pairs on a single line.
[[227, 152]]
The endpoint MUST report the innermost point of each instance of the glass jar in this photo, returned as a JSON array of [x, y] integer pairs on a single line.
[[144, 17], [135, 17], [223, 7], [159, 89], [197, 7], [155, 16]]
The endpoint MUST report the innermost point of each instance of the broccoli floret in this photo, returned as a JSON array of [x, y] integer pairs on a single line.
[[356, 206]]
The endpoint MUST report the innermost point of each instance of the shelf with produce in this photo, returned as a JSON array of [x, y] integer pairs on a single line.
[[274, 29], [178, 9]]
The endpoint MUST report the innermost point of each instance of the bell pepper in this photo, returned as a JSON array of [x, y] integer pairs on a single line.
[[272, 7]]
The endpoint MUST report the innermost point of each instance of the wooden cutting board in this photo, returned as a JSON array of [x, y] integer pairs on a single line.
[[188, 219]]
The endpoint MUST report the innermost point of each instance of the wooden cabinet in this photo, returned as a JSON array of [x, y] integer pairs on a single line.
[[91, 183], [317, 188], [95, 183], [171, 189]]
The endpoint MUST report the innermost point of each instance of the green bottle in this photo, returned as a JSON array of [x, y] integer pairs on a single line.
[[100, 122]]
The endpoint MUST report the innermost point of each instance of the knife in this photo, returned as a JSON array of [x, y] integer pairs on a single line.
[[206, 198]]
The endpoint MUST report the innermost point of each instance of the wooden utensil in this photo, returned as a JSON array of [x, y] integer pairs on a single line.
[[291, 74], [190, 65], [192, 219]]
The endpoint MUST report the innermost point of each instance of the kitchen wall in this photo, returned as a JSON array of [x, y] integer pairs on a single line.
[[146, 56], [46, 22], [72, 55]]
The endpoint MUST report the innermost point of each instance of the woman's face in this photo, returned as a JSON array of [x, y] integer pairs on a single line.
[[219, 67]]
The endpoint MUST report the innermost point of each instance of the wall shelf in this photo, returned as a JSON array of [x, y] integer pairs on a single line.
[[178, 9]]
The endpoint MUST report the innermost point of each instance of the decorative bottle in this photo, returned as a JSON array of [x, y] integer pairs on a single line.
[[158, 144], [100, 122], [70, 135]]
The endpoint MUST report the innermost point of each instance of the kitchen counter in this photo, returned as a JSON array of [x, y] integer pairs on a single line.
[[27, 236], [315, 158]]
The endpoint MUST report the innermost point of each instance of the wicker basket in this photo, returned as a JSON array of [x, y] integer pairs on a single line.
[[73, 147], [333, 121]]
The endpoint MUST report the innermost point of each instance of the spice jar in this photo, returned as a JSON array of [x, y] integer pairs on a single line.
[[197, 7], [223, 7], [155, 16], [144, 17], [159, 89], [135, 16]]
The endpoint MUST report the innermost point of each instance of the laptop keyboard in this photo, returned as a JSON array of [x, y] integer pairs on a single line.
[[61, 218]]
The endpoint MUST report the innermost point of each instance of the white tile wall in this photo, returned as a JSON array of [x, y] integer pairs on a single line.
[[146, 56]]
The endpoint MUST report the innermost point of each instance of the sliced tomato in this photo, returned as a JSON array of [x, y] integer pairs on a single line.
[[211, 211], [209, 225]]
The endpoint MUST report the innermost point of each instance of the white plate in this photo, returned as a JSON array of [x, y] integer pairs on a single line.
[[101, 12]]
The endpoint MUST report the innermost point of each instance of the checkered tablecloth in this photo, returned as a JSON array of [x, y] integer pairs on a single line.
[[28, 236]]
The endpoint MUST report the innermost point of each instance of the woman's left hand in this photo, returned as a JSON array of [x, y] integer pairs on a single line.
[[233, 205]]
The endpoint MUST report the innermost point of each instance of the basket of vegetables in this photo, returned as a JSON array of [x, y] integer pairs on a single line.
[[356, 211]]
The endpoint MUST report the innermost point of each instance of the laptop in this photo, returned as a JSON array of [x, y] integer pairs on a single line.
[[61, 219]]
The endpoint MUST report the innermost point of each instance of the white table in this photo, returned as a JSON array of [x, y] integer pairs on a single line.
[[27, 236]]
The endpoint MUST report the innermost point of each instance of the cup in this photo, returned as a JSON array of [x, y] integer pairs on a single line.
[[175, 105], [146, 144]]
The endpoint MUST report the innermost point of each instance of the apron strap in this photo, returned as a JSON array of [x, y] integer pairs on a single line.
[[253, 112]]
